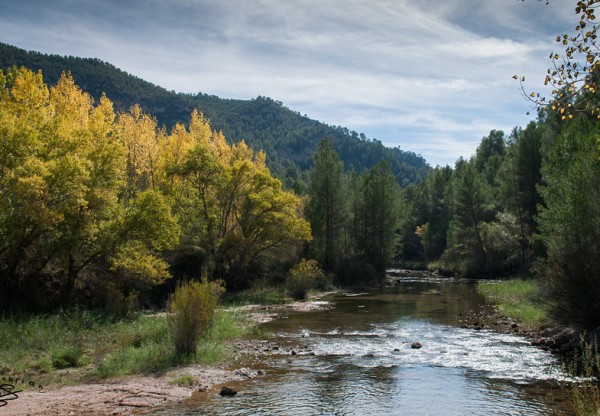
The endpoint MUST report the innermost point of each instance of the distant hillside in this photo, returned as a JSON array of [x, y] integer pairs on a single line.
[[287, 137]]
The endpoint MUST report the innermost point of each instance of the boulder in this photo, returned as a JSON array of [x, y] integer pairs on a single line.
[[227, 392], [565, 336], [415, 345]]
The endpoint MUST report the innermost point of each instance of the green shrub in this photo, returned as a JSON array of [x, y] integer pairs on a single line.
[[191, 309], [302, 277], [119, 305], [185, 380], [584, 394], [66, 358]]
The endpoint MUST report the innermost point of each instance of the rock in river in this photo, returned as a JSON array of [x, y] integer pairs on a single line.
[[226, 391]]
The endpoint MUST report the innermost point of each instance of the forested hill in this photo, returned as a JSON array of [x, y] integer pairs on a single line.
[[287, 137]]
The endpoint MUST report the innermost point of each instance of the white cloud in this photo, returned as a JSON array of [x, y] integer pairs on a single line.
[[415, 74]]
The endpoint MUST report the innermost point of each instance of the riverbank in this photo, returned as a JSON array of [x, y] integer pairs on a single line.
[[86, 389], [512, 307], [578, 350], [518, 300]]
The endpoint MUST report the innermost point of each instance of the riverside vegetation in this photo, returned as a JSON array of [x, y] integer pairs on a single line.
[[81, 346], [108, 210], [520, 299]]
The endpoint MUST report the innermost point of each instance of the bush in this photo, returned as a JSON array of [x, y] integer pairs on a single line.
[[66, 358], [191, 310], [302, 277], [584, 393]]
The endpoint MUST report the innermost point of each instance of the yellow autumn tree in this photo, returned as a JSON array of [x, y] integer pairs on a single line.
[[62, 176], [142, 140], [230, 206]]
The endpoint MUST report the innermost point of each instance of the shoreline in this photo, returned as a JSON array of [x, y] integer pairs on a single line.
[[136, 393]]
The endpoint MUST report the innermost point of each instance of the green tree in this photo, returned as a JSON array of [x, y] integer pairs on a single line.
[[520, 178], [326, 209], [569, 223], [378, 217], [434, 212], [489, 156], [471, 196]]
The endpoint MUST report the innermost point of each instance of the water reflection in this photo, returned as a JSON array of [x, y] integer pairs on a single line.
[[363, 362]]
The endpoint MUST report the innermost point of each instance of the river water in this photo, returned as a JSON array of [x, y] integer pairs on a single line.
[[355, 358]]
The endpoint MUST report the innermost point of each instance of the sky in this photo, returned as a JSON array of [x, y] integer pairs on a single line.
[[430, 76]]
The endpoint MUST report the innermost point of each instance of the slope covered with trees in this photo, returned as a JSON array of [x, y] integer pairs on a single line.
[[287, 137]]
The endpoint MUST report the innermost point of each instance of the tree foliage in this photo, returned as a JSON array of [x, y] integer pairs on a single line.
[[95, 200], [230, 205], [326, 209], [573, 74], [303, 277], [478, 219], [377, 214], [354, 218], [570, 224]]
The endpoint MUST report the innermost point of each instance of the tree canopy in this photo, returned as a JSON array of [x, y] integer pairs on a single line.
[[94, 198]]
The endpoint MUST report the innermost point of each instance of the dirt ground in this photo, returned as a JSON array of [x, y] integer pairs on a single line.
[[116, 397]]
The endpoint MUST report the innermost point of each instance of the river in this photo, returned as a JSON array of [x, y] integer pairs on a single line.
[[355, 358]]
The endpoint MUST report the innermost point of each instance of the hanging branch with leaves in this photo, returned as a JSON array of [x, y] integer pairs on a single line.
[[574, 73]]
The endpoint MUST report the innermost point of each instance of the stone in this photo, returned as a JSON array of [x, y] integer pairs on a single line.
[[538, 342], [227, 392], [565, 336], [415, 345], [245, 372]]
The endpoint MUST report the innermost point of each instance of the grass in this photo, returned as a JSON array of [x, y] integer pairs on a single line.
[[257, 296], [184, 380], [74, 347], [517, 299]]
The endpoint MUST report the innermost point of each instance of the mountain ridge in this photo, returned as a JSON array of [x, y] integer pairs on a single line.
[[287, 137]]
